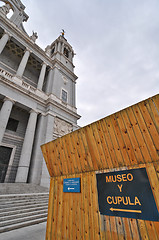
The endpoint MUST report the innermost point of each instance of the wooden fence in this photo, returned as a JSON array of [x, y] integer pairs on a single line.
[[128, 139]]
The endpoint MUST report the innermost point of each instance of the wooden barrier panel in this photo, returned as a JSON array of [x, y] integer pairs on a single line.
[[128, 139]]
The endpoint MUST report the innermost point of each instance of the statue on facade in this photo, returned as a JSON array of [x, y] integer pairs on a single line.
[[48, 50], [34, 36], [5, 9]]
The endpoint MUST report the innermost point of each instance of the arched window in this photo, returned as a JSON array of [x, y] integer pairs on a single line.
[[66, 52]]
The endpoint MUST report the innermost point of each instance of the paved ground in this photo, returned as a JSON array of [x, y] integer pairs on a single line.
[[34, 232]]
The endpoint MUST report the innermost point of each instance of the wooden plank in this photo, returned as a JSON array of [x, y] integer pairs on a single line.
[[88, 134], [74, 142], [54, 215], [69, 156], [129, 128], [127, 229], [151, 230], [59, 227], [75, 216], [85, 206], [120, 145], [63, 159], [120, 228], [153, 112], [104, 145], [155, 100], [95, 207], [78, 148], [83, 153], [82, 208], [64, 217], [156, 225], [114, 233], [119, 136], [108, 228], [137, 125], [147, 137], [114, 141], [134, 229], [149, 124], [78, 213], [143, 229], [90, 208], [154, 182], [88, 156], [109, 143], [128, 145], [156, 166], [69, 168], [45, 151], [70, 210], [50, 210], [98, 147], [66, 227], [53, 159]]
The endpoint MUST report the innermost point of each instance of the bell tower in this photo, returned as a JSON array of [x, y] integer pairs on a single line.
[[61, 79]]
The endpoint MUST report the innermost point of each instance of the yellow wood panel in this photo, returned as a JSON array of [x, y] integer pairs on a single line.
[[125, 140]]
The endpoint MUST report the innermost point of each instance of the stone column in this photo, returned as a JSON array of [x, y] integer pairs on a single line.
[[4, 41], [62, 48], [42, 76], [4, 115], [37, 157], [49, 129], [73, 94], [44, 133], [24, 163], [23, 64], [49, 81], [59, 47]]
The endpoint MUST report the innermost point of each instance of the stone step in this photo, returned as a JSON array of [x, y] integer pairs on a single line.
[[21, 211], [17, 201], [13, 208], [23, 204], [19, 188], [22, 215], [23, 195], [22, 224], [22, 219]]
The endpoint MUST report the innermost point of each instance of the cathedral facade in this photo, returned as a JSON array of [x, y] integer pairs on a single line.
[[37, 97]]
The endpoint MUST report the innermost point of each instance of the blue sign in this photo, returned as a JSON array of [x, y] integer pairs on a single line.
[[71, 185], [126, 194]]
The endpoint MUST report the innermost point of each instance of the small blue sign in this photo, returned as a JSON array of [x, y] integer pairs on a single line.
[[71, 185]]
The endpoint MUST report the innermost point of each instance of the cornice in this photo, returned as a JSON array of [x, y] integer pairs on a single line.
[[63, 67], [35, 94]]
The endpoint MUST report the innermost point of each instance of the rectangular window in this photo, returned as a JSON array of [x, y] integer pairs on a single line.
[[64, 96], [12, 124]]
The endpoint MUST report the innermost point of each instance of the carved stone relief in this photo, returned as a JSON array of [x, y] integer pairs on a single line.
[[61, 127]]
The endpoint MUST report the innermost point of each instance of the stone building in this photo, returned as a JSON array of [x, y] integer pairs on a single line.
[[37, 97]]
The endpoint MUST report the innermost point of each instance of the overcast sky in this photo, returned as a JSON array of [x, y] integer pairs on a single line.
[[116, 44]]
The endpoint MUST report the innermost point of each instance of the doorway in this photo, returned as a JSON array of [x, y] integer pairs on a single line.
[[5, 154]]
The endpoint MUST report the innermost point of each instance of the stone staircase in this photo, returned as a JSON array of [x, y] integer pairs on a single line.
[[19, 210]]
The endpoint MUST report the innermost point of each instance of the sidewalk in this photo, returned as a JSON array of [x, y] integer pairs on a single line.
[[34, 232]]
